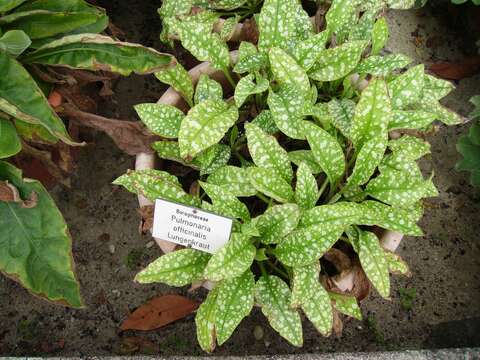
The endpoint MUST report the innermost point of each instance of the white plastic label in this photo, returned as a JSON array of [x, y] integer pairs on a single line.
[[190, 227]]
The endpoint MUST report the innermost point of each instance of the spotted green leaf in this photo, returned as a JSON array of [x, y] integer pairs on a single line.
[[265, 121], [372, 114], [160, 119], [213, 158], [306, 156], [326, 150], [435, 88], [374, 263], [397, 188], [306, 190], [369, 157], [341, 15], [204, 45], [400, 4], [287, 71], [335, 63], [156, 184], [205, 322], [346, 305], [232, 260], [411, 119], [205, 125], [249, 59], [228, 28], [410, 147], [207, 89], [226, 203], [396, 265], [341, 112], [268, 182], [362, 30], [273, 296], [234, 302], [277, 222], [287, 107], [307, 51], [308, 293], [382, 65], [234, 179], [267, 153], [277, 24], [177, 268], [407, 88], [443, 114], [380, 35], [304, 246], [246, 87], [226, 4], [175, 8], [179, 79]]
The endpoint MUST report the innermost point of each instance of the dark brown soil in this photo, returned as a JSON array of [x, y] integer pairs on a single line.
[[445, 262]]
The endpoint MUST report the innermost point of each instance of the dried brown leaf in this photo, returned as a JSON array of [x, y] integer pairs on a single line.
[[456, 71], [146, 214]]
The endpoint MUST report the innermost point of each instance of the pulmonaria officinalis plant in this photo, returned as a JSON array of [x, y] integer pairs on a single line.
[[300, 157]]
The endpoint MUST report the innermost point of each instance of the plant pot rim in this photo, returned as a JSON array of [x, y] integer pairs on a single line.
[[390, 240]]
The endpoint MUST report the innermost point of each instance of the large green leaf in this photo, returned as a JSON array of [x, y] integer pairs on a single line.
[[287, 107], [207, 89], [369, 157], [14, 42], [411, 119], [270, 183], [436, 89], [380, 35], [232, 260], [7, 5], [335, 63], [347, 305], [306, 190], [160, 119], [226, 4], [277, 222], [382, 65], [21, 98], [287, 71], [246, 87], [98, 52], [225, 202], [308, 293], [177, 268], [273, 295], [179, 79], [267, 153], [234, 179], [156, 184], [307, 51], [407, 88], [306, 156], [326, 150], [205, 125], [205, 322], [276, 24], [9, 140], [36, 248], [249, 59], [234, 302], [341, 113], [341, 15]]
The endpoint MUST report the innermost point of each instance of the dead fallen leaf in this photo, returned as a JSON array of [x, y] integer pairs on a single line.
[[337, 324], [146, 223], [159, 312], [129, 136], [339, 259], [8, 192], [456, 71], [133, 344]]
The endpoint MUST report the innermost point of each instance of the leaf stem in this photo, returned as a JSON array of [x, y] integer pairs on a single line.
[[323, 187], [275, 268], [229, 77], [262, 268], [263, 198]]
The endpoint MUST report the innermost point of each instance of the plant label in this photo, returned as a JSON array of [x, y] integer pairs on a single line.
[[190, 227]]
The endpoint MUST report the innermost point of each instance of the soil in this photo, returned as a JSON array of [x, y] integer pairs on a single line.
[[437, 307]]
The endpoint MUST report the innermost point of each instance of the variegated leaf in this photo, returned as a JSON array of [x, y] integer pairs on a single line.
[[306, 190], [362, 30], [205, 322], [407, 88], [207, 89], [326, 150], [435, 88], [287, 72], [226, 4], [234, 302], [273, 295], [372, 114], [228, 28], [177, 268], [213, 158], [160, 119], [369, 157], [347, 305], [268, 182], [307, 51], [410, 147], [411, 119], [179, 79], [205, 125], [306, 156], [400, 4], [396, 265], [447, 116], [249, 59], [341, 114], [225, 202], [267, 153], [232, 260], [398, 188], [374, 263], [380, 35], [341, 15], [156, 184], [169, 150], [382, 65], [265, 121], [174, 8], [234, 179], [308, 293], [277, 222], [303, 25], [246, 87], [335, 63], [287, 107], [276, 24], [304, 246]]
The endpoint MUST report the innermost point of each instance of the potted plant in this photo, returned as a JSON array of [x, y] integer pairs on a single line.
[[306, 151]]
